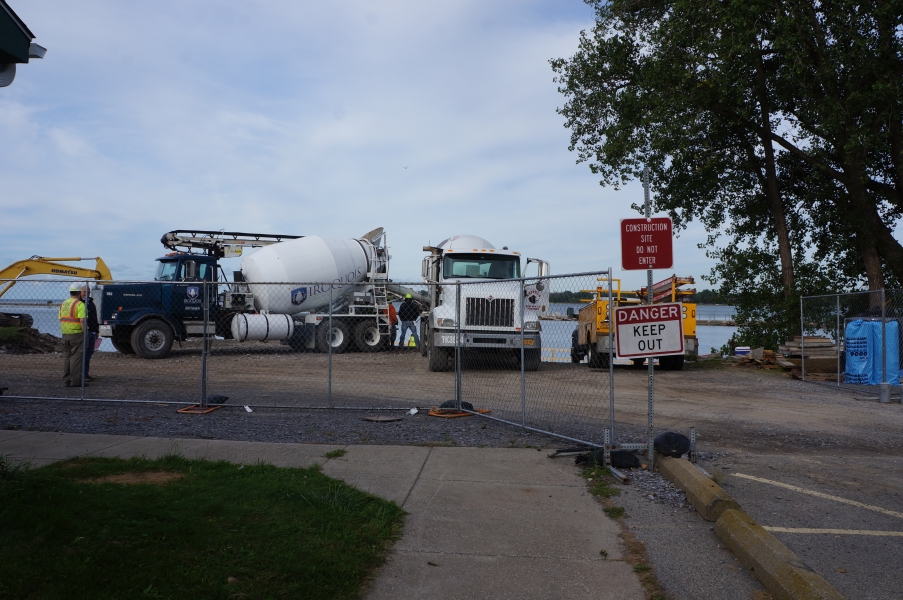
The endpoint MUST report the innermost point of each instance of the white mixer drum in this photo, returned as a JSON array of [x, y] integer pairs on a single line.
[[316, 265]]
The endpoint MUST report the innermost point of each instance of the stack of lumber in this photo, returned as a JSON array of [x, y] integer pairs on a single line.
[[765, 359], [821, 353]]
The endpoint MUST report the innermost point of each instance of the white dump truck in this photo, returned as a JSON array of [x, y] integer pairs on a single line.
[[495, 311], [285, 291]]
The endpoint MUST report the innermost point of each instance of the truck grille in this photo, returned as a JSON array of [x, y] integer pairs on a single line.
[[482, 312]]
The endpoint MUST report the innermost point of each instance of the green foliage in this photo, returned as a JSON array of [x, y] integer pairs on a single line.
[[66, 533], [615, 512], [777, 126], [568, 297], [10, 334], [600, 481], [338, 453], [707, 297]]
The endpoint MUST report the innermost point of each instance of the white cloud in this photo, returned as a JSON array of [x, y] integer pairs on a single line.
[[300, 118]]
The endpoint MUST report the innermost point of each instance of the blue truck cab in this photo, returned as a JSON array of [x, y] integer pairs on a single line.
[[146, 318]]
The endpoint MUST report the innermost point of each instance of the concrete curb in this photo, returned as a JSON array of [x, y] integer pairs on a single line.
[[776, 567], [703, 493]]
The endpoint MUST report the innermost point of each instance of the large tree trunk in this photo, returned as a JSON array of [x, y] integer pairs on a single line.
[[772, 190]]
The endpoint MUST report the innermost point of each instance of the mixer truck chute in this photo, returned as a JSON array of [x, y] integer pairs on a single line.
[[265, 300], [488, 314]]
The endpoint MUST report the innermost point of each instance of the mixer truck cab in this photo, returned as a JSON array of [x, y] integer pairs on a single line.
[[479, 297], [146, 318]]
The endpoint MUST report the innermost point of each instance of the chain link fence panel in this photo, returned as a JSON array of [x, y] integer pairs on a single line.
[[850, 340], [505, 347]]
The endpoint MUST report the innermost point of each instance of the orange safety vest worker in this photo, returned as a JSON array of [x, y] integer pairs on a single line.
[[72, 313]]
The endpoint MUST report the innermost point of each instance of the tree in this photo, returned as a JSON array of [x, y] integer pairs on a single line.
[[756, 120]]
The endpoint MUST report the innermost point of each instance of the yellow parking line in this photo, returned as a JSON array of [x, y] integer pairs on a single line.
[[834, 531], [820, 495]]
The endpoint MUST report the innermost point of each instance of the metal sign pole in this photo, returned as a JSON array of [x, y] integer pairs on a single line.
[[651, 360], [611, 362]]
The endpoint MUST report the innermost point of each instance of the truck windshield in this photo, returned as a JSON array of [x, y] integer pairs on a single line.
[[166, 271], [482, 266]]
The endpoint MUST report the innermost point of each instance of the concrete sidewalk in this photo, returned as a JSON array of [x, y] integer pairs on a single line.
[[482, 522]]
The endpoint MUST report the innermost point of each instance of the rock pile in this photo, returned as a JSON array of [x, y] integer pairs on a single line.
[[28, 340]]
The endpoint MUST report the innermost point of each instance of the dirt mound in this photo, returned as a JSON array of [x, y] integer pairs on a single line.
[[27, 340]]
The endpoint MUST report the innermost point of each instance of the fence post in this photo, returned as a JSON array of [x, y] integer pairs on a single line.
[[329, 351], [523, 380], [802, 340], [884, 395], [837, 339], [458, 318], [84, 341], [204, 347]]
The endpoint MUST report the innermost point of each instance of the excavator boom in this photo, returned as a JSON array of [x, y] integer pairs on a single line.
[[43, 265]]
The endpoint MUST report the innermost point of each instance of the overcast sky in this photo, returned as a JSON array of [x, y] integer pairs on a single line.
[[304, 118]]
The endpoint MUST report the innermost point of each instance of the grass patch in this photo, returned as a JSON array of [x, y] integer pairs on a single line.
[[10, 334], [600, 481], [339, 453], [177, 528], [615, 512]]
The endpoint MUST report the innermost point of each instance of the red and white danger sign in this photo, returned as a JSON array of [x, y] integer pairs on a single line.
[[655, 330]]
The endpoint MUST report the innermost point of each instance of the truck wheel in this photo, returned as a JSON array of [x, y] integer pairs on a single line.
[[577, 353], [637, 363], [671, 363], [368, 337], [532, 358], [597, 360], [438, 358], [152, 339], [424, 335], [122, 341], [339, 340]]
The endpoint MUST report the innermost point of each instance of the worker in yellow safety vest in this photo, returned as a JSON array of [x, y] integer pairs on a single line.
[[72, 326]]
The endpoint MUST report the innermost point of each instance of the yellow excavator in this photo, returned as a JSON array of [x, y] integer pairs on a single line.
[[43, 265]]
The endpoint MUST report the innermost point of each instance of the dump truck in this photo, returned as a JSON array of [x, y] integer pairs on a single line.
[[345, 278], [591, 337], [494, 313]]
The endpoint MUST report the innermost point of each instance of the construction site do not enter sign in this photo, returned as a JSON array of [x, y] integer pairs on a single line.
[[649, 330], [646, 244]]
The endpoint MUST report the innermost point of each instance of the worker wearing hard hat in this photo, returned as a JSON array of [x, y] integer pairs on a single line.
[[72, 326], [408, 312]]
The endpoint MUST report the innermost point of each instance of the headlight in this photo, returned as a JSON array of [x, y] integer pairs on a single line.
[[445, 322], [532, 326]]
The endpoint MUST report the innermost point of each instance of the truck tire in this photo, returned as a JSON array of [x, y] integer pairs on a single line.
[[532, 358], [152, 339], [577, 352], [637, 363], [672, 363], [122, 341], [368, 338], [340, 338], [438, 358], [597, 360]]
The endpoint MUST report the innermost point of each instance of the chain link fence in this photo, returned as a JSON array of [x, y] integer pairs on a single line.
[[503, 349], [851, 340]]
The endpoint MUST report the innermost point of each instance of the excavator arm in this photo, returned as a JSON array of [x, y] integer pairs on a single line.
[[42, 265]]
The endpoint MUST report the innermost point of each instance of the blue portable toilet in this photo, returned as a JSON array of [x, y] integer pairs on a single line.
[[862, 345]]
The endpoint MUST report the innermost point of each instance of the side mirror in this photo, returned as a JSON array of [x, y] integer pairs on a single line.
[[425, 268], [540, 286], [570, 312], [191, 270]]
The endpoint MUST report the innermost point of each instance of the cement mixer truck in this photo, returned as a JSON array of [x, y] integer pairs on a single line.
[[495, 314], [285, 291]]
